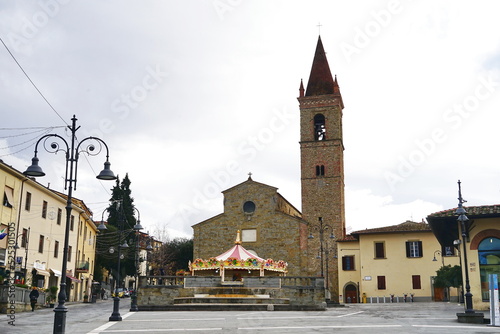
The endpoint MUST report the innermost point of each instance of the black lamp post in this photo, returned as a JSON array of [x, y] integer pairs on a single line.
[[25, 241], [137, 228], [462, 219], [321, 228], [72, 154], [115, 316]]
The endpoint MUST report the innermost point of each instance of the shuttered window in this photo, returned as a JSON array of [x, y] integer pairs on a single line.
[[414, 249]]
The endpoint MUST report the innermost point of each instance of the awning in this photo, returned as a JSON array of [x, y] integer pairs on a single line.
[[56, 273], [76, 280], [42, 272]]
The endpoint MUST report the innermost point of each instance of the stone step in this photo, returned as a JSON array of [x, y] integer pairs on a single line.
[[230, 300], [230, 307]]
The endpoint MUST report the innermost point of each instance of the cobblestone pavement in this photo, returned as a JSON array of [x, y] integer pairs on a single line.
[[355, 318]]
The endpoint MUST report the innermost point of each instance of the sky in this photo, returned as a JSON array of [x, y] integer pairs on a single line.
[[191, 96]]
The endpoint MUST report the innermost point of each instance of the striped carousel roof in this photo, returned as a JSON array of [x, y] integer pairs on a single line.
[[238, 252]]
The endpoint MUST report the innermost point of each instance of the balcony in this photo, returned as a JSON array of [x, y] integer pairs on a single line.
[[82, 267]]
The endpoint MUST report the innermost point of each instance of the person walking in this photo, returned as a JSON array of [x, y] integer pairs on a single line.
[[34, 294]]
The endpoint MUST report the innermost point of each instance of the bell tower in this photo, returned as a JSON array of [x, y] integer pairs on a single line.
[[322, 168]]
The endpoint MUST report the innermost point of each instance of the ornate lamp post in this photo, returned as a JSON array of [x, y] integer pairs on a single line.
[[25, 241], [72, 154], [115, 316], [321, 228], [462, 219], [137, 228]]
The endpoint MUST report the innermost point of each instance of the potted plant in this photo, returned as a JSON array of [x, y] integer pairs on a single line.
[[52, 296]]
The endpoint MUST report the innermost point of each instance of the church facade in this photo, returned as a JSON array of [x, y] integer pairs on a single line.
[[270, 225]]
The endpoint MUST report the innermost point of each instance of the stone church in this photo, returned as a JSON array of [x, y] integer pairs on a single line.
[[270, 226]]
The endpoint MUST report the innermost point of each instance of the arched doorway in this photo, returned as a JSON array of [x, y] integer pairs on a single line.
[[351, 293]]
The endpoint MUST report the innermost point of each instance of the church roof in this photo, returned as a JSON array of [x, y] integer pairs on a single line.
[[248, 181], [320, 80]]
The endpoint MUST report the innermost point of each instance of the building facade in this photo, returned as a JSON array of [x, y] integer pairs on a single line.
[[480, 246], [37, 217], [270, 226], [394, 260]]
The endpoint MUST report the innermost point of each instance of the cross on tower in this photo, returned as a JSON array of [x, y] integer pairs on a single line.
[[319, 28]]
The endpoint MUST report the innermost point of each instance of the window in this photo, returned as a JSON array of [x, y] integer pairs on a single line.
[[381, 282], [319, 127], [69, 253], [448, 251], [56, 248], [8, 197], [379, 250], [27, 205], [414, 249], [44, 209], [348, 262], [72, 223], [489, 262], [415, 281], [24, 238], [249, 235], [249, 207], [40, 244], [320, 170], [59, 216]]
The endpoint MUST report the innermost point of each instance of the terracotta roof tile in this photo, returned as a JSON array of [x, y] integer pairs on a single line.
[[407, 226], [481, 210]]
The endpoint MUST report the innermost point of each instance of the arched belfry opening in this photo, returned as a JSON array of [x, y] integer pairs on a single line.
[[319, 127]]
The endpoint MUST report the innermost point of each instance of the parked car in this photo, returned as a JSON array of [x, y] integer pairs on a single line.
[[121, 292]]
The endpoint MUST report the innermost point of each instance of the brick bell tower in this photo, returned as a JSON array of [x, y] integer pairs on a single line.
[[322, 169]]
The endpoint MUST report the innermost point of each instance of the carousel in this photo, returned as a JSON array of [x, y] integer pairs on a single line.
[[237, 263]]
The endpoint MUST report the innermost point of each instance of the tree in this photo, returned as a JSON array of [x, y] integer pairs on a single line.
[[120, 223], [172, 256], [448, 276]]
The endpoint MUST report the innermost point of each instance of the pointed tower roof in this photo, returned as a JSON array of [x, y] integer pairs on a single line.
[[320, 80]]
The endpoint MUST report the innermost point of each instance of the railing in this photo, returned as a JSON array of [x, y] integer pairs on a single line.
[[21, 295], [82, 266], [172, 281], [302, 282]]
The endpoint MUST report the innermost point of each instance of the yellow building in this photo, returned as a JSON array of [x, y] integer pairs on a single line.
[[375, 264], [37, 218], [482, 245]]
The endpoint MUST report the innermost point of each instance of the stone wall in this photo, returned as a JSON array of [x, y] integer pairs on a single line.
[[301, 291]]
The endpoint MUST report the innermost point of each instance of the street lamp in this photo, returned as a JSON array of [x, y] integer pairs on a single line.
[[72, 154], [321, 228], [25, 237], [115, 316], [442, 257], [137, 228], [462, 219]]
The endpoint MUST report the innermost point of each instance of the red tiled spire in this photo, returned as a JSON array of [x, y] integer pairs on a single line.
[[301, 89], [320, 80]]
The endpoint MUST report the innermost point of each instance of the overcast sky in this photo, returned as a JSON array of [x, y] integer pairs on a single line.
[[191, 96]]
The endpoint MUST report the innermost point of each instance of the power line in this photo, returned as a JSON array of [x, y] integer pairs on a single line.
[[27, 76]]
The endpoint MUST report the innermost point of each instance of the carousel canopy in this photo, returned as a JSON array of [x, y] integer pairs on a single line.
[[238, 258], [238, 252]]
